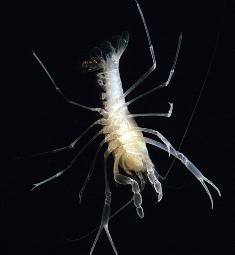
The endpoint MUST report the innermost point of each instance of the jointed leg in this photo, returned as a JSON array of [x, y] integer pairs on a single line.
[[168, 114], [151, 51], [191, 167], [106, 211], [90, 172], [154, 132], [154, 63], [63, 148], [124, 180], [163, 84], [59, 90], [68, 167]]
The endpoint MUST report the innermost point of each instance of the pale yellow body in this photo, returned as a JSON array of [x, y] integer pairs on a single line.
[[125, 139]]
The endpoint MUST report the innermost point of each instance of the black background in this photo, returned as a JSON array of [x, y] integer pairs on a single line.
[[37, 119]]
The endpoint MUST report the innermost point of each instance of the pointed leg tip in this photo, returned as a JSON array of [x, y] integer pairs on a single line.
[[34, 187], [140, 212], [159, 197]]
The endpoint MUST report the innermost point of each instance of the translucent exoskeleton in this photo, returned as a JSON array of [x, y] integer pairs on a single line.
[[125, 139]]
